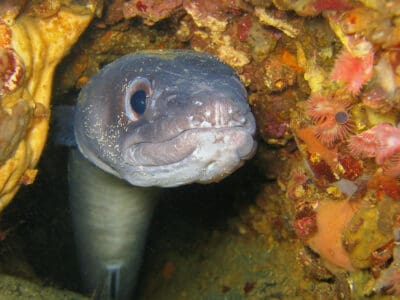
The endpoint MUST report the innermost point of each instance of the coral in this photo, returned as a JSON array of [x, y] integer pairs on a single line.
[[305, 223], [272, 115], [362, 236], [381, 93], [389, 280], [276, 19], [11, 66], [357, 44], [384, 184], [261, 40], [230, 55], [394, 59], [42, 9], [392, 165], [5, 34], [380, 257], [352, 167], [278, 75], [301, 191], [10, 9], [216, 26], [243, 28], [151, 11], [13, 125], [313, 265], [289, 59], [317, 148], [382, 142], [354, 71], [321, 5], [359, 19], [331, 118], [211, 14], [313, 7], [296, 185], [376, 99], [321, 171], [33, 45]]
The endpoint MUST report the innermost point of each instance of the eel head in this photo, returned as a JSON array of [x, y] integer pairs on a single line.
[[165, 119]]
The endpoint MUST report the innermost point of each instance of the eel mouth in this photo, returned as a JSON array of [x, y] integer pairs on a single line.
[[193, 143]]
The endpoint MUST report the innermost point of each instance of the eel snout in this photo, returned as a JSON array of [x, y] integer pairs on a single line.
[[212, 133]]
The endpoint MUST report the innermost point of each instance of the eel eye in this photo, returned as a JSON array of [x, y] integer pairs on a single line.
[[137, 98], [138, 102]]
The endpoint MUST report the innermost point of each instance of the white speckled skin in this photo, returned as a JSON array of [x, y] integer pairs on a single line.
[[197, 127]]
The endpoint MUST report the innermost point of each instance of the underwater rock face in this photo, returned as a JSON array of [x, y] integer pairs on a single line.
[[33, 41], [324, 89]]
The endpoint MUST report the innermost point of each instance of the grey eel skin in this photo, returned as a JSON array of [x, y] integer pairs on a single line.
[[147, 120]]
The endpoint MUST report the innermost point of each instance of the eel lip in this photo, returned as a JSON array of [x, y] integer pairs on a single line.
[[187, 143], [147, 154]]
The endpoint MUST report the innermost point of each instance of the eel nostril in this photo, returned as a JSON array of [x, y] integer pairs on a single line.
[[239, 118]]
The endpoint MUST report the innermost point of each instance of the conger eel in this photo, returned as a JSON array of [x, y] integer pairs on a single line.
[[149, 119]]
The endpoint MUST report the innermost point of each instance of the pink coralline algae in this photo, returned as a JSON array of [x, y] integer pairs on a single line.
[[305, 223], [353, 71], [331, 118], [243, 28], [11, 71], [382, 142], [152, 11], [321, 5], [11, 66]]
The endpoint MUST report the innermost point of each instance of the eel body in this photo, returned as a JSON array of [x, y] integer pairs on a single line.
[[148, 120]]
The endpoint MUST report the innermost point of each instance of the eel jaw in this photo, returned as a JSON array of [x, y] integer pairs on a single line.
[[196, 155]]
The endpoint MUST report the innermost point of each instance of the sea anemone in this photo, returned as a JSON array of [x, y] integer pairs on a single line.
[[331, 118], [352, 70], [382, 142], [364, 144], [389, 140]]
